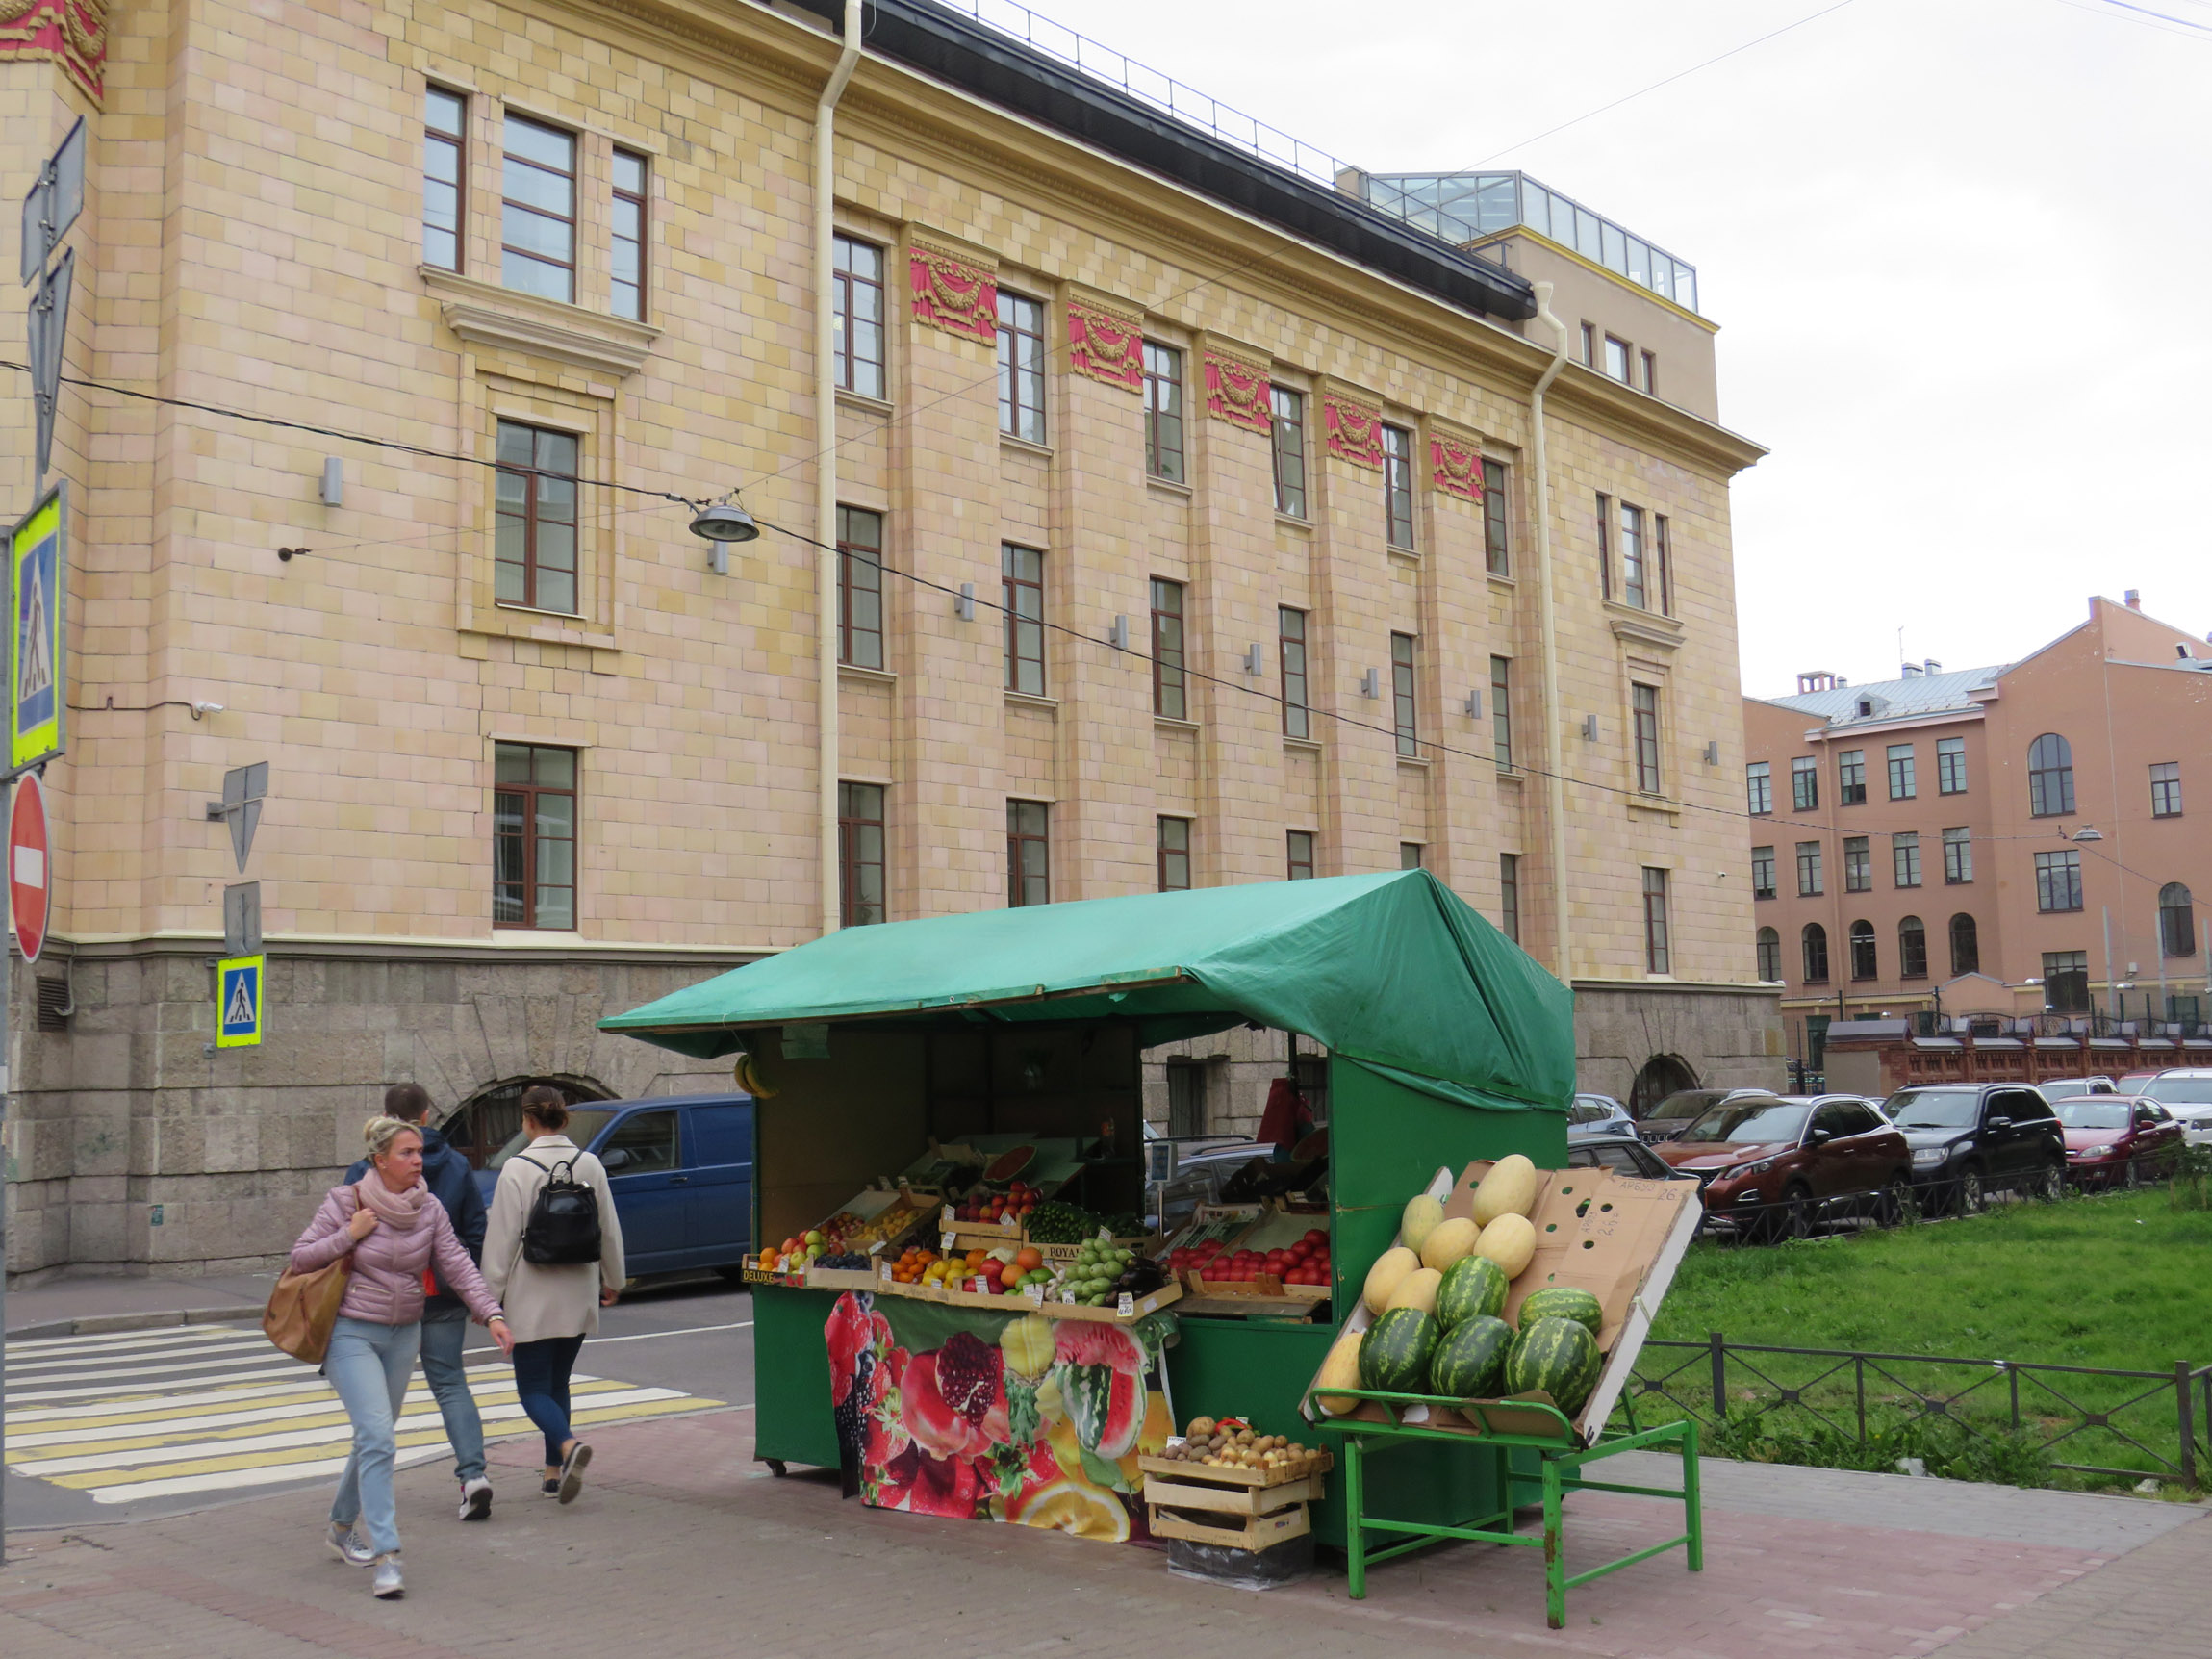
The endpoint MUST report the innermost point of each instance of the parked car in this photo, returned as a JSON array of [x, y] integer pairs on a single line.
[[680, 1169], [1773, 1168], [1683, 1108], [1591, 1110], [2185, 1091], [2057, 1088], [1202, 1162], [1603, 1146], [2115, 1139], [1874, 1106], [1971, 1139]]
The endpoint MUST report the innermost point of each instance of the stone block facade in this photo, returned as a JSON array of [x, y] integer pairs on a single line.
[[253, 244]]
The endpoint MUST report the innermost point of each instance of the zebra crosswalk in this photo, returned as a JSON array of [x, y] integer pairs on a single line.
[[209, 1409]]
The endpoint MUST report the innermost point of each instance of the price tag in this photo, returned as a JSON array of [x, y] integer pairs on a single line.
[[1127, 1306], [886, 1269], [1035, 1293], [1010, 1222], [1068, 1297], [945, 1243], [876, 1247], [1105, 1234]]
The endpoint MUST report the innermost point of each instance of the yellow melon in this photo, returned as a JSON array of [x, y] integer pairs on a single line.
[[1510, 1241], [1417, 1290], [1452, 1241], [1421, 1216], [1384, 1277], [1509, 1188], [1340, 1369]]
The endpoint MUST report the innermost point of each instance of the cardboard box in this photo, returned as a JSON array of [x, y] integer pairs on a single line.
[[1616, 1236]]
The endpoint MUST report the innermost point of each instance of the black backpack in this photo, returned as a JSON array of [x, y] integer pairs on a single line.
[[563, 1229]]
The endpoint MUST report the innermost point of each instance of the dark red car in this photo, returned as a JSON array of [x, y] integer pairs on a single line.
[[2115, 1139], [1772, 1168]]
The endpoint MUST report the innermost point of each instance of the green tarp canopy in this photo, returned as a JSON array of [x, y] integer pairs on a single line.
[[1392, 971]]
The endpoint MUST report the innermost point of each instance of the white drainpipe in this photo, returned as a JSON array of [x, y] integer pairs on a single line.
[[1555, 782], [825, 458]]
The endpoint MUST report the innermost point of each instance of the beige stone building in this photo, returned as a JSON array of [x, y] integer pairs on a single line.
[[2011, 841], [1300, 582]]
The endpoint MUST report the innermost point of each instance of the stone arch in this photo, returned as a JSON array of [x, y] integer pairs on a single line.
[[481, 1124], [1660, 1076]]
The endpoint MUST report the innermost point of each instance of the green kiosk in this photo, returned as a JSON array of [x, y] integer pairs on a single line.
[[1446, 1044]]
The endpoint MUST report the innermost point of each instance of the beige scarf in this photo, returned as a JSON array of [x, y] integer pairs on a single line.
[[399, 1210]]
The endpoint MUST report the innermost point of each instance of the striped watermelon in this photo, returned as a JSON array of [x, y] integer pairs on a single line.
[[1394, 1354], [1563, 1302], [1560, 1357], [1473, 1287], [1471, 1360]]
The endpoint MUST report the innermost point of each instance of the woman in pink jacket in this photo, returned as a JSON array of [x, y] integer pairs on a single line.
[[393, 1230]]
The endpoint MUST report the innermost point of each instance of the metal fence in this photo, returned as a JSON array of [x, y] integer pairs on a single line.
[[2078, 1411]]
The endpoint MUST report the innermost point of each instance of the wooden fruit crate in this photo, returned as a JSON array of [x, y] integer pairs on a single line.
[[1237, 1507]]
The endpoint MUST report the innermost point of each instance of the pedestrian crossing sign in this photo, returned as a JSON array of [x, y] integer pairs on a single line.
[[38, 595], [237, 1007]]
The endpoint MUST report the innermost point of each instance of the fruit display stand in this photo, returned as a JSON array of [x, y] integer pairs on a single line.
[[1530, 1428], [1445, 1044]]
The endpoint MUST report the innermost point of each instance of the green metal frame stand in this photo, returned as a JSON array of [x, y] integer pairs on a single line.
[[1561, 1458]]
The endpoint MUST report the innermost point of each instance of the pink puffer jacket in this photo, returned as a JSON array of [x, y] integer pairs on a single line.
[[385, 1286]]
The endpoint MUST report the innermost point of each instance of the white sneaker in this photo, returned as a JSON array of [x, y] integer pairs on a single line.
[[477, 1500], [388, 1585], [345, 1543]]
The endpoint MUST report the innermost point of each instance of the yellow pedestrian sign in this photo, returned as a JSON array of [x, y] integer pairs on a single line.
[[238, 1003], [38, 674]]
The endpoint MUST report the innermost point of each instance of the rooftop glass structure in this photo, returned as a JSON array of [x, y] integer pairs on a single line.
[[1465, 207], [1454, 208]]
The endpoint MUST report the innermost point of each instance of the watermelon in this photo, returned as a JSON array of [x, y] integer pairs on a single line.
[[1560, 1357], [1394, 1354], [1563, 1302], [1471, 1360], [1008, 1165], [1473, 1287]]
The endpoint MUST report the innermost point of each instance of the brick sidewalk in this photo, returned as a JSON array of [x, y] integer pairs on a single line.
[[683, 1539]]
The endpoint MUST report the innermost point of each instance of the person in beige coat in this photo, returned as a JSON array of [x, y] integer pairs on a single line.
[[551, 1309]]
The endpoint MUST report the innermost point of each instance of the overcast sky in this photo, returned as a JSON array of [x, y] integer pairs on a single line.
[[1958, 249]]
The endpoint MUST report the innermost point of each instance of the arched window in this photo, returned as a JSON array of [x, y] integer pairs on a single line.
[[1816, 954], [1965, 946], [1912, 948], [2176, 920], [1863, 965], [2050, 775], [1769, 954]]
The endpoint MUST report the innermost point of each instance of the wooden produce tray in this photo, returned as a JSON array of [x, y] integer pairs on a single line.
[[1266, 1297], [1250, 1532], [839, 1278], [1168, 1293], [1218, 1475], [1247, 1509]]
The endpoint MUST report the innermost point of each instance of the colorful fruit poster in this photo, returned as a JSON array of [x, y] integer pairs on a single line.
[[996, 1417]]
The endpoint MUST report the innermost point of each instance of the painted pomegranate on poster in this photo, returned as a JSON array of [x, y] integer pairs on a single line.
[[1038, 1422]]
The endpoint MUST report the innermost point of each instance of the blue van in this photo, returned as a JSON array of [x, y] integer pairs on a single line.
[[680, 1168]]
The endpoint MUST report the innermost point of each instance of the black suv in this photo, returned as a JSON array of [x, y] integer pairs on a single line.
[[1971, 1139]]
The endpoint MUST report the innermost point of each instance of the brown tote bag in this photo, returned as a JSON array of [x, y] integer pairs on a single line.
[[303, 1309]]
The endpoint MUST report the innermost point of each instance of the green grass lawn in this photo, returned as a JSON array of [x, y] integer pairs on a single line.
[[2118, 1281]]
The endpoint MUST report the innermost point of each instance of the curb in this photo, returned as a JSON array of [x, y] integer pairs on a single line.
[[94, 1324]]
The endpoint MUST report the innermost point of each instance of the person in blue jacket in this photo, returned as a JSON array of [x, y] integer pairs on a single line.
[[445, 1317]]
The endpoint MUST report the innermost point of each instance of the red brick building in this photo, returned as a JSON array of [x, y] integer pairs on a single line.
[[2006, 840]]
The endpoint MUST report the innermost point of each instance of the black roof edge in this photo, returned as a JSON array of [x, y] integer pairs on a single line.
[[1003, 71]]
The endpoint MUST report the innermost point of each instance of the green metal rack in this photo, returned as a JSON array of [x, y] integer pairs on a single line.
[[1561, 1457]]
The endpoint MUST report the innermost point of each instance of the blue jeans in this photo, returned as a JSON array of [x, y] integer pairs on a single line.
[[541, 1382], [445, 1330], [368, 1364]]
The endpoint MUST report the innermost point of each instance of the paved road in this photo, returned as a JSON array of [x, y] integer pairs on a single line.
[[135, 1424]]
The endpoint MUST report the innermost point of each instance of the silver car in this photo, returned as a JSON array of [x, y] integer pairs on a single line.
[[2185, 1091]]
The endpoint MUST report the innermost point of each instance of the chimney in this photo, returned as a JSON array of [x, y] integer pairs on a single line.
[[1911, 671], [1931, 666], [2134, 598]]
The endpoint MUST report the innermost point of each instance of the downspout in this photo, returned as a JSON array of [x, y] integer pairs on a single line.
[[825, 455], [1555, 762]]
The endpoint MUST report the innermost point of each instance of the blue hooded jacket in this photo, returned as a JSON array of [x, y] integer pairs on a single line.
[[453, 1184]]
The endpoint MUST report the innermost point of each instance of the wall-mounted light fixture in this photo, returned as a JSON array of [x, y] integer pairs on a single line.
[[1713, 752], [1589, 729], [719, 525], [1371, 683], [964, 605], [1252, 662], [333, 487], [1117, 636], [1474, 705]]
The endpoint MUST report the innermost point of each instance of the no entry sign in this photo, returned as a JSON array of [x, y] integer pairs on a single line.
[[30, 885]]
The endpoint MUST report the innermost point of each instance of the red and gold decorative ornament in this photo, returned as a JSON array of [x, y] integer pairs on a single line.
[[1457, 466], [950, 292], [72, 33], [1355, 431], [1106, 345], [1236, 391]]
